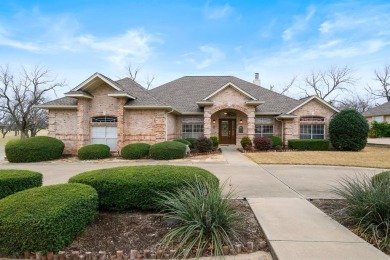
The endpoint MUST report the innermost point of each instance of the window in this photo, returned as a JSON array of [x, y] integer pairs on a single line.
[[379, 119], [264, 126], [312, 131], [104, 119], [105, 135], [312, 127], [192, 127]]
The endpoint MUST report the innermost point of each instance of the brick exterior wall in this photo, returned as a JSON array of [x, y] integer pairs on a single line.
[[313, 108], [63, 125]]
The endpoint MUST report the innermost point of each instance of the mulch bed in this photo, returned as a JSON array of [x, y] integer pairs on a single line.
[[111, 232], [334, 209]]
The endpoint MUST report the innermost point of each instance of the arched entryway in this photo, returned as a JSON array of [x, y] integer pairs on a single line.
[[229, 125]]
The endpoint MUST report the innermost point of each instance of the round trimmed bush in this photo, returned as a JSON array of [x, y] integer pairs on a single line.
[[204, 144], [215, 141], [45, 219], [34, 149], [276, 141], [245, 141], [137, 187], [135, 151], [12, 181], [93, 152], [168, 150], [183, 141], [192, 141], [348, 131], [263, 143], [381, 178]]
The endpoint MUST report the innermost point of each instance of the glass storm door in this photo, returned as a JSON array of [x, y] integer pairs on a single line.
[[227, 131]]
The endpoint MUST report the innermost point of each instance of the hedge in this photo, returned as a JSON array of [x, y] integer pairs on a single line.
[[93, 152], [192, 142], [34, 149], [12, 181], [276, 141], [136, 187], [309, 144], [168, 150], [135, 151], [183, 141], [45, 219], [383, 177]]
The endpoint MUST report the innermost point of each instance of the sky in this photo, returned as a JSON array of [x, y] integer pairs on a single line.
[[171, 39]]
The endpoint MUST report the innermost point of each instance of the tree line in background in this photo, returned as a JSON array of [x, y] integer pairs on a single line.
[[21, 92], [334, 82]]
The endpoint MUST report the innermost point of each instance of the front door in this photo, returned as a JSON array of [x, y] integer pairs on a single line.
[[227, 131]]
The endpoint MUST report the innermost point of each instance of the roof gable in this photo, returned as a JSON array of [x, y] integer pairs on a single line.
[[307, 100], [92, 80], [229, 84]]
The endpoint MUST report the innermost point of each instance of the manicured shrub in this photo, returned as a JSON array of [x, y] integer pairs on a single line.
[[245, 141], [135, 151], [309, 144], [45, 219], [93, 152], [192, 141], [183, 141], [380, 129], [204, 144], [276, 141], [263, 143], [12, 181], [204, 217], [348, 131], [368, 207], [381, 178], [168, 150], [34, 149], [215, 141], [135, 187]]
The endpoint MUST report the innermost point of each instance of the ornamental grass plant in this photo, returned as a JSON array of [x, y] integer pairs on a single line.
[[206, 220]]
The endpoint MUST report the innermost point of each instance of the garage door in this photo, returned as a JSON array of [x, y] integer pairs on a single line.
[[105, 135]]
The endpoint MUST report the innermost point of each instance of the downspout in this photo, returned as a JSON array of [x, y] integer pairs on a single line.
[[166, 123], [282, 129]]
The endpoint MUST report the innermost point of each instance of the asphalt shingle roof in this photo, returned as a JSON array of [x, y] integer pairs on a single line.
[[64, 101], [383, 109], [184, 92]]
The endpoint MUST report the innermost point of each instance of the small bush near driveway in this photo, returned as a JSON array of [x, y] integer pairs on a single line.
[[168, 150], [12, 181], [204, 144], [34, 149], [135, 151], [136, 187], [94, 152], [262, 143], [245, 141], [309, 144], [45, 219]]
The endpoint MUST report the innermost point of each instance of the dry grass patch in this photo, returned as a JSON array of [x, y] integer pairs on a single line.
[[373, 157], [11, 136]]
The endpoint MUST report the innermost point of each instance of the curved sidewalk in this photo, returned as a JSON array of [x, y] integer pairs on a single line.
[[294, 227]]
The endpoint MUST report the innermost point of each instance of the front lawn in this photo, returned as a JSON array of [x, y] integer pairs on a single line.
[[373, 157]]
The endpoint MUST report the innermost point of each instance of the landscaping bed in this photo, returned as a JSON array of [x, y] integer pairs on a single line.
[[111, 232], [334, 209]]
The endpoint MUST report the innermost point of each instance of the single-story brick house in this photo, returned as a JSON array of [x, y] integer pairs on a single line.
[[379, 114], [116, 113]]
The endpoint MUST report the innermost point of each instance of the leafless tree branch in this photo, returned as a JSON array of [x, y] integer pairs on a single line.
[[383, 77]]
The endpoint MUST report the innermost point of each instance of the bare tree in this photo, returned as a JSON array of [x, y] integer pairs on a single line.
[[8, 125], [286, 86], [19, 94], [149, 80], [37, 121], [383, 91], [359, 103], [133, 74], [331, 81]]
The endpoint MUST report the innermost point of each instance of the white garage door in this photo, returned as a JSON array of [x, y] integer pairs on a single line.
[[105, 135]]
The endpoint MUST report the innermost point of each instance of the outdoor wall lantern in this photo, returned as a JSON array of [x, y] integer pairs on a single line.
[[240, 121], [213, 121]]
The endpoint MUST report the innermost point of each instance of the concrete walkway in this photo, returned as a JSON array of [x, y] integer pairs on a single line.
[[294, 227]]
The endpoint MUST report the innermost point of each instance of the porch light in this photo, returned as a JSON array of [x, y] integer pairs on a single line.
[[213, 121], [240, 121]]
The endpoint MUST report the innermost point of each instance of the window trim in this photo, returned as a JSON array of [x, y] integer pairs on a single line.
[[311, 131]]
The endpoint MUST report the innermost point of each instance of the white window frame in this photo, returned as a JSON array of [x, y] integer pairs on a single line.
[[105, 138], [262, 123], [311, 131], [194, 123]]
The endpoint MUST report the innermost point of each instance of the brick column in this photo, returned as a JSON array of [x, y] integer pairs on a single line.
[[82, 122], [159, 129], [121, 122], [251, 125], [207, 123]]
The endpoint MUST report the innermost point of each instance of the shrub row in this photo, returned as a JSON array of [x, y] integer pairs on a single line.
[[136, 187], [309, 144], [45, 219], [168, 150], [93, 152], [34, 149], [379, 129], [135, 151], [262, 142], [12, 181]]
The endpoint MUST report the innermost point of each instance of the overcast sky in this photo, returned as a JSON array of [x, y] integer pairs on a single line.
[[170, 39]]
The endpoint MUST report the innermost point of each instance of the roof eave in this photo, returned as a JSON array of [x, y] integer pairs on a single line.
[[310, 99], [56, 106], [204, 103], [79, 96], [121, 95], [96, 75], [232, 85], [254, 103]]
